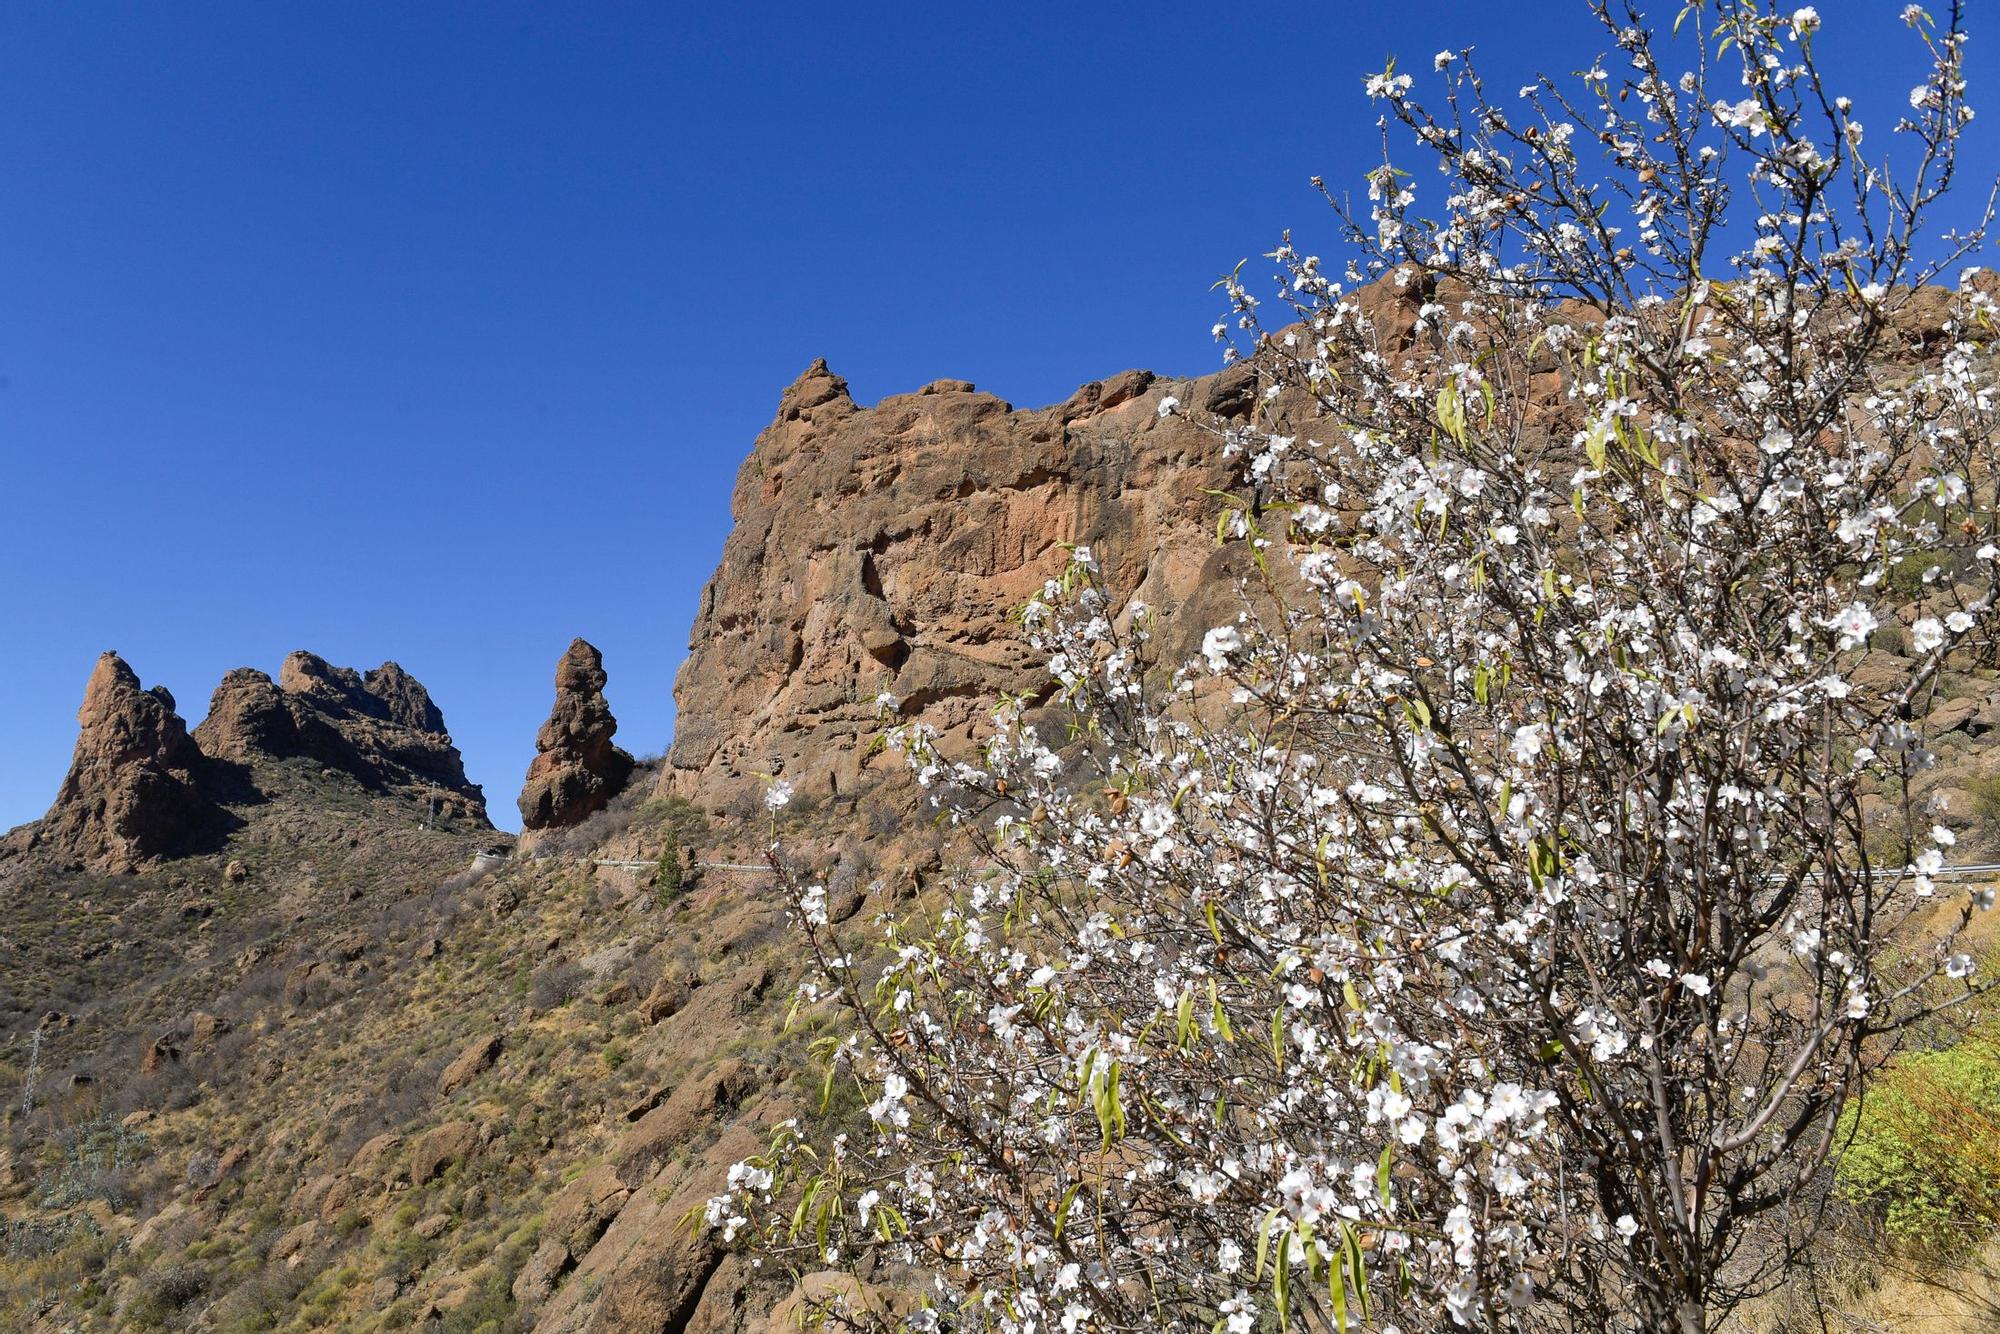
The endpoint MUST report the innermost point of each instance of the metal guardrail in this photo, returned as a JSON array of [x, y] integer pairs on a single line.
[[626, 865], [1956, 872], [1973, 871]]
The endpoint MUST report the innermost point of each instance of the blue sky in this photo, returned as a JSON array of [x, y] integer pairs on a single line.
[[437, 332]]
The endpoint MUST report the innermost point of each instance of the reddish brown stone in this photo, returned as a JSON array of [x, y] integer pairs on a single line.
[[577, 770], [133, 791], [882, 550]]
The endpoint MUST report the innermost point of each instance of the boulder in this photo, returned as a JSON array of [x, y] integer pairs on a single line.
[[469, 1064], [376, 1159], [664, 1000], [205, 1028], [341, 1194], [576, 770], [294, 1240], [440, 1147], [1953, 715], [164, 1051]]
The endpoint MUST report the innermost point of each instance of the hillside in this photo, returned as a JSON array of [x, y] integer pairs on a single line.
[[291, 1039], [291, 1043]]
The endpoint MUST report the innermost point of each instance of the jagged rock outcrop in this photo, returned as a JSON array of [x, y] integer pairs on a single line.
[[379, 727], [576, 770], [882, 549], [134, 790]]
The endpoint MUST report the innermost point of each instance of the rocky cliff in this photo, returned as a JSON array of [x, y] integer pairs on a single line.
[[881, 549]]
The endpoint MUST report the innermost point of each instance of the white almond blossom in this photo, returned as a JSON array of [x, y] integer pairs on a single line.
[[1407, 959]]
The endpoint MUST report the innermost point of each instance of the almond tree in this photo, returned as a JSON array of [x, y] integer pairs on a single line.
[[1488, 929]]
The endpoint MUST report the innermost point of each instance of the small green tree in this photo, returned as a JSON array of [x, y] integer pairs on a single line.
[[667, 873]]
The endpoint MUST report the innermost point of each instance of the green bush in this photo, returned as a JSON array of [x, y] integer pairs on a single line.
[[1922, 1149]]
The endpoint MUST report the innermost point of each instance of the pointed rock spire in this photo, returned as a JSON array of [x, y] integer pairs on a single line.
[[817, 387], [132, 792], [577, 770]]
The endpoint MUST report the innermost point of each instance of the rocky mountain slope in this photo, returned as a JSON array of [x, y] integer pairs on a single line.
[[289, 1040], [297, 1045]]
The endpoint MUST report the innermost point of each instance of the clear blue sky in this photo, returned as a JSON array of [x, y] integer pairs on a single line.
[[437, 332]]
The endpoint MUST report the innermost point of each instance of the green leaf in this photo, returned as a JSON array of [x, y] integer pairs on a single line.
[[1110, 1111], [1062, 1210], [1281, 1282], [1357, 1264]]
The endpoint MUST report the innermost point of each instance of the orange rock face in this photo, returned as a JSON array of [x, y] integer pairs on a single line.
[[882, 550]]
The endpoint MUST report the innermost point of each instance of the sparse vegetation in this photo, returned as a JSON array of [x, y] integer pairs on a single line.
[[557, 984], [335, 995], [1922, 1149]]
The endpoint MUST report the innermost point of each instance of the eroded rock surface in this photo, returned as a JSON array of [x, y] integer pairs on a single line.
[[577, 769], [134, 790], [881, 550], [379, 727]]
